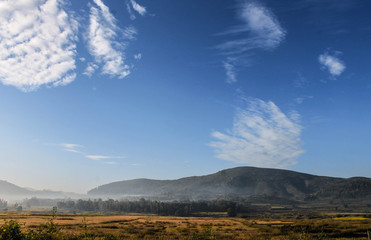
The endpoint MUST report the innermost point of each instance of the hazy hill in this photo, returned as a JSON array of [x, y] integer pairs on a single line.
[[7, 188], [12, 191], [241, 181]]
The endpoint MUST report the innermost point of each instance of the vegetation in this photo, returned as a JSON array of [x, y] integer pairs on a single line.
[[190, 208], [291, 206], [68, 226], [3, 203]]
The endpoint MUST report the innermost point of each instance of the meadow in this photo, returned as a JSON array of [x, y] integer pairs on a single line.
[[78, 226]]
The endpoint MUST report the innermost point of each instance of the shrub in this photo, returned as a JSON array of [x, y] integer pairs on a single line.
[[11, 230]]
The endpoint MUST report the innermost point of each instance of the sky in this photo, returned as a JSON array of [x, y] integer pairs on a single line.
[[98, 91]]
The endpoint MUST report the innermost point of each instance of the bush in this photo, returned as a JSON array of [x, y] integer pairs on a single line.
[[11, 230]]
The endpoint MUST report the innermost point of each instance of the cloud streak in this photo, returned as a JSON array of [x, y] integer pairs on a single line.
[[103, 41], [262, 135], [103, 157], [260, 29], [138, 56], [71, 147], [75, 148], [230, 71], [332, 63], [300, 100], [132, 7], [90, 69], [38, 44], [138, 8]]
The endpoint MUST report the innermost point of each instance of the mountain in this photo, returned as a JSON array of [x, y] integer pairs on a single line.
[[7, 188], [356, 187], [241, 182], [12, 191]]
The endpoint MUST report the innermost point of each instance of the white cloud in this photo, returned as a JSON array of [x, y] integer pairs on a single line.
[[138, 56], [131, 14], [332, 63], [261, 29], [104, 43], [130, 32], [90, 69], [75, 148], [103, 157], [71, 147], [138, 8], [261, 136], [38, 44], [71, 150], [263, 26], [300, 100], [230, 72]]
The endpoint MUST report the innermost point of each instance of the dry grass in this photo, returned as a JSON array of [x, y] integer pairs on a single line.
[[157, 227]]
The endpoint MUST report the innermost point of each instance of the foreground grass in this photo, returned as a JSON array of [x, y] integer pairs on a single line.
[[49, 226]]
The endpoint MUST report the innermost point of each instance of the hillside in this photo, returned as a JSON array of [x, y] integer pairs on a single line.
[[241, 182], [7, 188], [12, 191]]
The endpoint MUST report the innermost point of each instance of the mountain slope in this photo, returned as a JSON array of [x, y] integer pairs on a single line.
[[12, 191], [237, 182], [7, 188]]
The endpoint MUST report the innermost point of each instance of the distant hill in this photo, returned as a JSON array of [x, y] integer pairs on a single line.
[[12, 191], [7, 188], [241, 182]]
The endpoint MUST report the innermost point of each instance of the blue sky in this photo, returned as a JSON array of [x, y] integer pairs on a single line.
[[104, 90]]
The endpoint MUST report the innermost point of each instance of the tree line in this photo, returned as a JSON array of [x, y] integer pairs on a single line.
[[151, 207], [3, 203]]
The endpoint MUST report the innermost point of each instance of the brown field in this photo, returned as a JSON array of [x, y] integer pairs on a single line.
[[158, 227]]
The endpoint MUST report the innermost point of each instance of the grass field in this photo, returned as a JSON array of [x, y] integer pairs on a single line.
[[157, 227]]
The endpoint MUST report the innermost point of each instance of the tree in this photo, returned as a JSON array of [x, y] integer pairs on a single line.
[[19, 208], [232, 211], [3, 203]]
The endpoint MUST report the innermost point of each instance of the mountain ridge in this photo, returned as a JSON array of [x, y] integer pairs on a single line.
[[240, 182], [11, 191]]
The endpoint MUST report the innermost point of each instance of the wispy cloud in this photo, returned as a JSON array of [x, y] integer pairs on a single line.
[[300, 100], [132, 7], [130, 32], [230, 71], [38, 44], [102, 157], [76, 148], [90, 69], [262, 135], [138, 56], [260, 29], [332, 63], [105, 43], [130, 10], [138, 8], [71, 147], [300, 81]]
